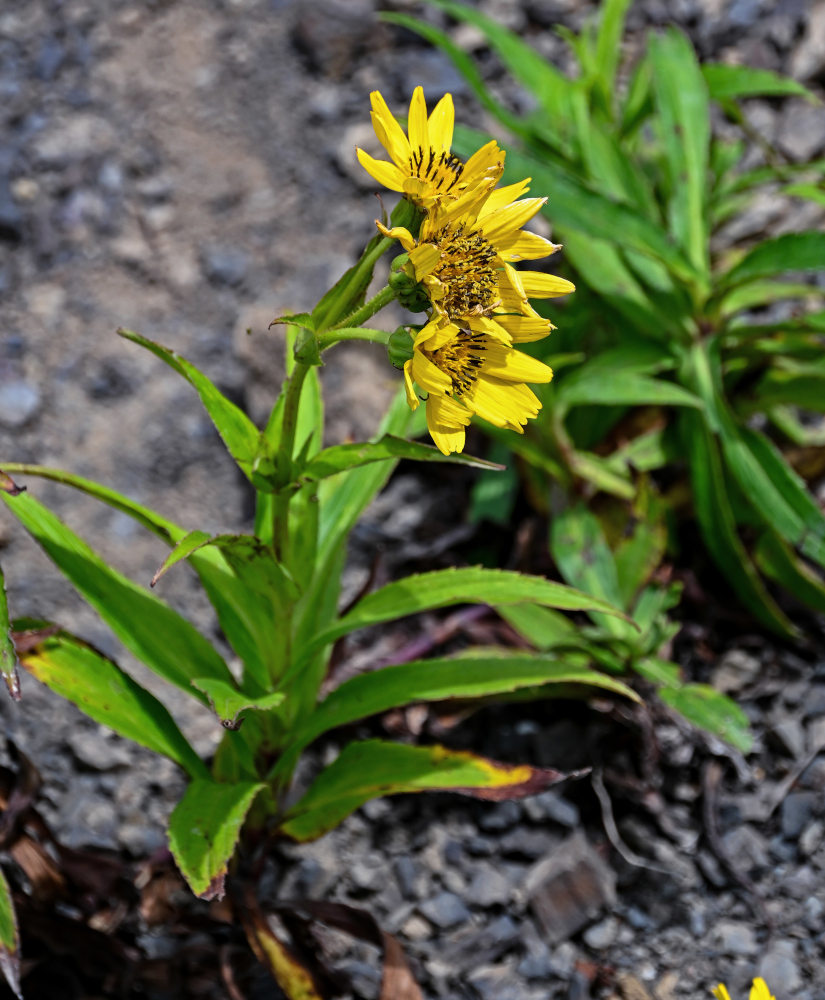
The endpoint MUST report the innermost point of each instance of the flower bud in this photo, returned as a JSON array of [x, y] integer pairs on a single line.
[[410, 293], [400, 346]]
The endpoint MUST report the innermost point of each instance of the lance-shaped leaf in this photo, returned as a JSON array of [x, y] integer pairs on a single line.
[[464, 677], [792, 252], [228, 595], [777, 560], [711, 710], [8, 655], [340, 457], [239, 434], [624, 390], [472, 585], [163, 639], [367, 770], [9, 939], [727, 83], [88, 679], [716, 522], [204, 828], [230, 704], [684, 120]]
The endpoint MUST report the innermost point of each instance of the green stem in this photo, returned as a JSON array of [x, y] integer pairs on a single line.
[[287, 446], [367, 311], [335, 336]]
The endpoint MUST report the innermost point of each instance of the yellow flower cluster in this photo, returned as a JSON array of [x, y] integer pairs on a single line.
[[759, 991], [463, 256]]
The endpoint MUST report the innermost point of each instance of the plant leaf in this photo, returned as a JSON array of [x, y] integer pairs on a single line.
[[778, 561], [710, 710], [341, 457], [204, 829], [624, 390], [239, 434], [9, 939], [733, 82], [373, 768], [684, 130], [803, 251], [160, 637], [608, 42], [471, 585], [88, 679], [230, 704], [541, 627], [8, 654]]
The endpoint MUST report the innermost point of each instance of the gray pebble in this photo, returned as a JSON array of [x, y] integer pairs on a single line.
[[734, 938], [225, 265], [19, 402], [488, 887], [601, 935], [501, 816], [797, 811], [445, 910], [779, 966], [550, 805]]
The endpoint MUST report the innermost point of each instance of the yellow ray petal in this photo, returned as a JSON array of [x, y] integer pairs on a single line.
[[760, 991], [525, 246], [506, 220], [506, 195], [538, 285], [385, 173], [399, 233], [441, 124], [424, 259], [446, 420], [391, 135], [487, 161], [721, 992], [513, 366], [435, 334], [412, 396], [524, 328], [417, 122], [429, 376]]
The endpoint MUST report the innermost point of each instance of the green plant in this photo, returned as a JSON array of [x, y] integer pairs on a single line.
[[674, 366], [276, 593]]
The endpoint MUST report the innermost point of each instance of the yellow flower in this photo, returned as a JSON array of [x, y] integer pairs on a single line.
[[423, 168], [464, 258], [759, 991], [469, 368]]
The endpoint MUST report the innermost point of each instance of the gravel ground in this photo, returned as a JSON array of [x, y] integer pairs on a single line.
[[187, 169]]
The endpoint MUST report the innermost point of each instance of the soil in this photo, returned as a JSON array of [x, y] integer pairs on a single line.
[[187, 170]]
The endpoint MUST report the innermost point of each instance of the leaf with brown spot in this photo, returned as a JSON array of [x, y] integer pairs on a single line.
[[8, 485]]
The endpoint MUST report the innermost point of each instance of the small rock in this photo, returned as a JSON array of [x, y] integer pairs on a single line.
[[19, 402], [98, 750], [779, 965], [811, 838], [814, 912], [802, 131], [601, 935], [445, 910], [73, 138], [809, 58], [797, 811], [737, 668], [748, 846], [569, 888], [406, 875], [501, 816], [225, 265], [734, 938], [489, 887], [789, 736], [416, 928], [525, 843], [550, 805]]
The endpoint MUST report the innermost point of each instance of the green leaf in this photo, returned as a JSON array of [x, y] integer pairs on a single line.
[[204, 829], [230, 704], [684, 129], [758, 293], [580, 550], [608, 43], [541, 627], [227, 595], [803, 251], [662, 673], [585, 389], [495, 490], [602, 473], [576, 206], [165, 641], [367, 770], [712, 711], [8, 655], [472, 585], [778, 561], [341, 457], [471, 676], [716, 522], [810, 192], [239, 434], [9, 939], [88, 679], [727, 83]]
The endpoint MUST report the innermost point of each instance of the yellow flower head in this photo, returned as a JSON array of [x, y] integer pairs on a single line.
[[464, 359], [422, 166], [759, 991], [464, 258], [466, 369]]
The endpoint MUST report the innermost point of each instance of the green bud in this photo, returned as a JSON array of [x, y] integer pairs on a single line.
[[400, 346], [410, 293]]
